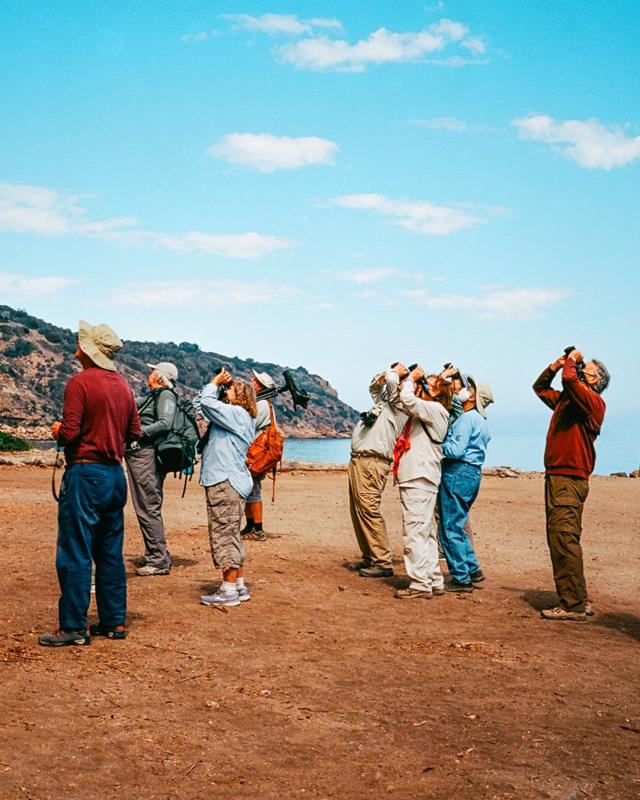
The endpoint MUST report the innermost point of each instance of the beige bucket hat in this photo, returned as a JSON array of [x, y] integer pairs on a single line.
[[484, 395], [100, 343]]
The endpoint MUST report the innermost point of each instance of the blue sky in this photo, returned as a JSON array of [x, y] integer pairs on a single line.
[[336, 185]]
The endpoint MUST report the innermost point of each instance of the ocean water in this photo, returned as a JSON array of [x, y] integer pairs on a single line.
[[615, 453]]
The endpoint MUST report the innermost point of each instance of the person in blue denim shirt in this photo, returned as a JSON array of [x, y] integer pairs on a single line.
[[464, 450], [226, 479]]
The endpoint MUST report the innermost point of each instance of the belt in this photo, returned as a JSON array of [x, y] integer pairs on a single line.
[[377, 456], [92, 461]]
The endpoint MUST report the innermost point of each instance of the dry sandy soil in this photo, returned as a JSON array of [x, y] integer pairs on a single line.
[[324, 685]]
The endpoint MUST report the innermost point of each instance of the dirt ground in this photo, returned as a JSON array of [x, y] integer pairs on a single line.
[[324, 685]]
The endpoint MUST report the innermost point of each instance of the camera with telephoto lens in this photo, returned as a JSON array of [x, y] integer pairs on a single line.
[[579, 364], [422, 382]]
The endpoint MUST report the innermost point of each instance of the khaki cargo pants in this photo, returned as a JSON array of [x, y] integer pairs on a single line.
[[367, 479], [224, 515], [564, 501]]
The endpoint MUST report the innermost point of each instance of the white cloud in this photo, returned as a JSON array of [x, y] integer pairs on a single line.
[[491, 302], [46, 212], [371, 275], [414, 216], [285, 24], [201, 36], [201, 294], [14, 284], [267, 153], [587, 142], [381, 47], [475, 46]]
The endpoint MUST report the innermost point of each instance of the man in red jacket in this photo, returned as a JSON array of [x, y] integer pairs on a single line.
[[99, 416], [569, 459]]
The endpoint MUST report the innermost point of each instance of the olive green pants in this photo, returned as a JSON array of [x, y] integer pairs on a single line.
[[367, 479], [564, 501]]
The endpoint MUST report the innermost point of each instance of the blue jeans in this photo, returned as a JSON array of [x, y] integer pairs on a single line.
[[91, 528], [458, 489]]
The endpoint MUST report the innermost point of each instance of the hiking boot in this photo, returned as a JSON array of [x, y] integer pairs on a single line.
[[119, 632], [356, 566], [248, 528], [458, 586], [557, 612], [375, 572], [149, 570], [64, 638], [221, 598], [413, 594], [478, 576], [243, 593], [256, 536], [438, 591]]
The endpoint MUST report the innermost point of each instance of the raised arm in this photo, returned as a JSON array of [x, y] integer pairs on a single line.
[[434, 416], [542, 384], [213, 410], [582, 395]]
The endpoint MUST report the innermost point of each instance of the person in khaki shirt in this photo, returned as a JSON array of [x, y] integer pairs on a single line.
[[371, 459]]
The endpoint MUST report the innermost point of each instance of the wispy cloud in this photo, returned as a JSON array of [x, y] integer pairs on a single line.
[[381, 47], [46, 212], [203, 294], [266, 153], [491, 302], [417, 216], [371, 275], [281, 24], [16, 285], [201, 36], [453, 124], [587, 142]]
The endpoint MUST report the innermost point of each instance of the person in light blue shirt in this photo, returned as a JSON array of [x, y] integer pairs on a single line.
[[226, 479], [464, 450]]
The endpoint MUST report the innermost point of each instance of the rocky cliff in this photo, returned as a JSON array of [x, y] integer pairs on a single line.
[[36, 361]]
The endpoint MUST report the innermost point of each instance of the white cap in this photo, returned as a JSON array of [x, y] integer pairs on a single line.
[[168, 371], [265, 379]]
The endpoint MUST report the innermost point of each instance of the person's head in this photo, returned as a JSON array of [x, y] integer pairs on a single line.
[[440, 390], [240, 393], [476, 395], [162, 375], [261, 381], [97, 346], [596, 375]]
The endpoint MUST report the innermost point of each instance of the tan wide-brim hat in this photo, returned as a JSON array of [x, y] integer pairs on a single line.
[[100, 343], [484, 395], [265, 379], [168, 371]]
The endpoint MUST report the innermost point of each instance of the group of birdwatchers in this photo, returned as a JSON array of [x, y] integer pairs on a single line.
[[429, 430]]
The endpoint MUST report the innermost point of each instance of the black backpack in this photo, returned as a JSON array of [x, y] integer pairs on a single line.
[[176, 450]]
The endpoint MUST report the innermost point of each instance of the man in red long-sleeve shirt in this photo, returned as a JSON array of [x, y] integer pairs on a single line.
[[99, 417], [569, 459]]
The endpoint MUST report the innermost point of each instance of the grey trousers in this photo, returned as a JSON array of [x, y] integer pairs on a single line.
[[146, 480]]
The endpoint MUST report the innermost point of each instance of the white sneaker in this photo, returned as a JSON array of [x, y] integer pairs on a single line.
[[220, 598], [243, 594]]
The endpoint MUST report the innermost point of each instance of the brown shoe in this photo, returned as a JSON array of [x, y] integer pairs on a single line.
[[375, 572], [355, 566], [557, 612], [413, 594], [438, 591]]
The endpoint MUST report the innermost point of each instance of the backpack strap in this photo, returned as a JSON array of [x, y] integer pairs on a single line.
[[426, 430]]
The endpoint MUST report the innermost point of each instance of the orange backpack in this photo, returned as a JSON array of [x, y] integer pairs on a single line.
[[265, 453]]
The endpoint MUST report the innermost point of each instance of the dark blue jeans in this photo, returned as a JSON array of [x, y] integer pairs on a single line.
[[458, 489], [91, 528]]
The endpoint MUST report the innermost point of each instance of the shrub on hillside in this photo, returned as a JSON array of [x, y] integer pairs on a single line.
[[22, 347], [8, 441]]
